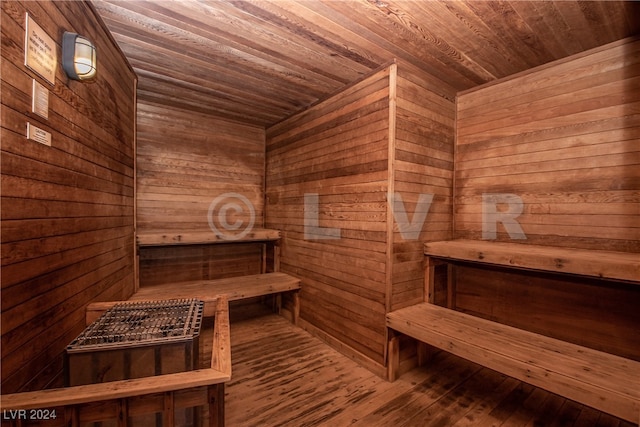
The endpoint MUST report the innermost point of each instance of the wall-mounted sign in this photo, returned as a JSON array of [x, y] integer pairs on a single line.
[[40, 51], [40, 100], [38, 135]]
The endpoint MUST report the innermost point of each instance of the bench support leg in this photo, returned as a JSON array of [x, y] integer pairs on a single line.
[[430, 265], [169, 412], [393, 361], [451, 286], [425, 353], [216, 405], [295, 310], [278, 304]]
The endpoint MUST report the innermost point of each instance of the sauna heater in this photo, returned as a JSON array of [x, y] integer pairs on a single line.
[[137, 339]]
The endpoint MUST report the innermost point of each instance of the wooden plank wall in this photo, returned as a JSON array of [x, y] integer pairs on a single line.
[[581, 310], [422, 176], [186, 161], [337, 150], [391, 133], [165, 264], [565, 139], [67, 209]]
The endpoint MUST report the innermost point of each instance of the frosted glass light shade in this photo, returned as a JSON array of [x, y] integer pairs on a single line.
[[78, 57]]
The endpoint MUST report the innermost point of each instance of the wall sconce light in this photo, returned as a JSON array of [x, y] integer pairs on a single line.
[[78, 57]]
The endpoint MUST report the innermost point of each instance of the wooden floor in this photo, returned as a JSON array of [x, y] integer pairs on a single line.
[[282, 376]]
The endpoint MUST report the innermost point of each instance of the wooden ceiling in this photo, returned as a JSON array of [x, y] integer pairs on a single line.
[[260, 61]]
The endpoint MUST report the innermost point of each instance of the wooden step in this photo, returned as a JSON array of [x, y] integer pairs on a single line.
[[606, 382]]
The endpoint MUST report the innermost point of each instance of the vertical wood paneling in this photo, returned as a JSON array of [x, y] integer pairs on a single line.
[[423, 165], [566, 140], [338, 151], [186, 160], [67, 210]]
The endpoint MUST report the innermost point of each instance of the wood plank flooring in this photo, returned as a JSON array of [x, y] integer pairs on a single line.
[[282, 376]]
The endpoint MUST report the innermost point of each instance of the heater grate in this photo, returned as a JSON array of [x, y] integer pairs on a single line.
[[136, 324]]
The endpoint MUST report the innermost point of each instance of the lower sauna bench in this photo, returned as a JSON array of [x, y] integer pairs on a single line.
[[233, 288], [604, 381]]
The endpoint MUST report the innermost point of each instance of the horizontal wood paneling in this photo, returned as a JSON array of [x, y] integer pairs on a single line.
[[566, 140], [423, 166], [186, 160], [586, 311], [391, 133], [68, 209], [191, 167], [162, 264], [337, 149]]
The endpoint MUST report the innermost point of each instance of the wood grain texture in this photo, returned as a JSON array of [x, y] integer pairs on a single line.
[[565, 140], [204, 238], [422, 172], [388, 135], [610, 265], [124, 401], [234, 288], [604, 381], [198, 177], [186, 161], [159, 265], [282, 376], [260, 62], [67, 210], [595, 313], [338, 151]]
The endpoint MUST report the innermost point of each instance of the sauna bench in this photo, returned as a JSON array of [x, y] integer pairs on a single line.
[[269, 238], [205, 237], [604, 381], [611, 265], [232, 288], [269, 281]]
